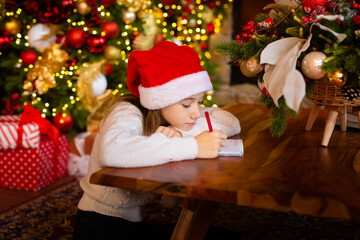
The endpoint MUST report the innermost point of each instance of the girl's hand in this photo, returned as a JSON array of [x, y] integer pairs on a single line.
[[210, 143], [170, 132]]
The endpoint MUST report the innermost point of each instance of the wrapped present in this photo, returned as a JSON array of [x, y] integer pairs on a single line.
[[79, 154], [14, 134], [24, 131], [34, 168]]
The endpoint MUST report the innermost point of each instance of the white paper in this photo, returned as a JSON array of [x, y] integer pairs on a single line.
[[234, 147]]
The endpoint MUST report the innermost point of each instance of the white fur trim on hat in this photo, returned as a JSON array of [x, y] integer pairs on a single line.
[[175, 90]]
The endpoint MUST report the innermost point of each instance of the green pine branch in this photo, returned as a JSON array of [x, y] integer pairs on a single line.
[[231, 49]]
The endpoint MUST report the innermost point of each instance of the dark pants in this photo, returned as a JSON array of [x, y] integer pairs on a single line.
[[92, 225]]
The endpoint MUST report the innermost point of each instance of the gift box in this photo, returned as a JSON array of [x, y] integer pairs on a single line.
[[34, 168], [15, 134]]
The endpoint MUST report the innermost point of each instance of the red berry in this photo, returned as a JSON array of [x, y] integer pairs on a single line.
[[251, 23], [307, 9], [305, 20], [269, 21], [247, 28], [15, 96]]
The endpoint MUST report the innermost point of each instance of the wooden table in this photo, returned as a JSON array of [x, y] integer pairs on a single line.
[[289, 173]]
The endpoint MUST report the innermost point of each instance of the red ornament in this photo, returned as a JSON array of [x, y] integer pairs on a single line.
[[314, 3], [75, 37], [96, 43], [107, 3], [169, 2], [28, 57], [108, 69], [204, 46], [111, 29], [357, 19], [5, 40], [210, 28], [63, 121], [61, 39]]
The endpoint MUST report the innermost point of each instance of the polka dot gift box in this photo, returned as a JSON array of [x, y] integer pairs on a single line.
[[34, 168]]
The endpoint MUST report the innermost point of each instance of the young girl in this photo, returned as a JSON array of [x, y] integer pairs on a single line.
[[161, 122]]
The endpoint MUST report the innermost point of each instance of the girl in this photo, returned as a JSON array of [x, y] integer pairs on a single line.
[[161, 122]]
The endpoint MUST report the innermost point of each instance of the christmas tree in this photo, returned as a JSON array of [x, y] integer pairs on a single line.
[[63, 57], [297, 46]]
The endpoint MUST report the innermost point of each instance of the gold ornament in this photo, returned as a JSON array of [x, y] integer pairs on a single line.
[[112, 53], [98, 111], [28, 86], [251, 67], [208, 15], [133, 5], [13, 26], [338, 78], [158, 14], [85, 89], [311, 65], [82, 7], [53, 58], [146, 40]]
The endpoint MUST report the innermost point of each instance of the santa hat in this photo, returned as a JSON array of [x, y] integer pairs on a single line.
[[166, 74]]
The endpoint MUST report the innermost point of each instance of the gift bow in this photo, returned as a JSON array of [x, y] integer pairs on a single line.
[[281, 77], [46, 128]]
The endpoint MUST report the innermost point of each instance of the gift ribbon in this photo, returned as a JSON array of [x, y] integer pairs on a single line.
[[46, 128]]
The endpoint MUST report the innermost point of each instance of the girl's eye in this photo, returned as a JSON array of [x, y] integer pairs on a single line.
[[186, 106]]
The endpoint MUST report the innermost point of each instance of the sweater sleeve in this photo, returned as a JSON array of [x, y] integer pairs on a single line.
[[223, 120], [121, 143]]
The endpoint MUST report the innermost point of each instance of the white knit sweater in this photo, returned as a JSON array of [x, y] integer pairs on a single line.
[[120, 143]]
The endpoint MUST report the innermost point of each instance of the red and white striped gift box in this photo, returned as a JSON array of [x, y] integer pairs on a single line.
[[9, 132]]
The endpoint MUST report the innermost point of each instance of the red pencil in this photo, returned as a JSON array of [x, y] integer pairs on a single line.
[[208, 121]]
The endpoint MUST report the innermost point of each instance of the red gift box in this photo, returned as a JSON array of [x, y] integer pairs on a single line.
[[34, 168]]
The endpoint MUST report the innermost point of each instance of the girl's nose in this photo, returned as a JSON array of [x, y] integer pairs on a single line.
[[195, 114]]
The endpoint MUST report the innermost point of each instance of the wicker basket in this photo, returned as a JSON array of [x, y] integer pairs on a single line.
[[328, 95]]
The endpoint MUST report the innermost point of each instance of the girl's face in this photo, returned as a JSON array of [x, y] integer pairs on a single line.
[[183, 114]]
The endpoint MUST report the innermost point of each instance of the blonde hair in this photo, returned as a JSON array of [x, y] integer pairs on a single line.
[[152, 119]]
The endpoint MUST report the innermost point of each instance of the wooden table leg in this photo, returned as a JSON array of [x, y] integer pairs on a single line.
[[329, 127], [194, 220], [312, 116], [343, 119]]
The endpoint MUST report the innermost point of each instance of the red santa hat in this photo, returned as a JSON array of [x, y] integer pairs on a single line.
[[166, 74]]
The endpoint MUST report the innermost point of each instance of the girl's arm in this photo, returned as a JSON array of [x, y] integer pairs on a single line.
[[221, 120], [121, 143]]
